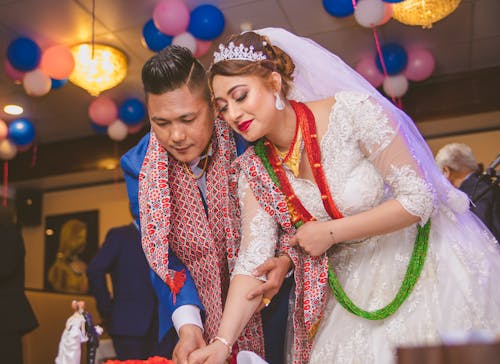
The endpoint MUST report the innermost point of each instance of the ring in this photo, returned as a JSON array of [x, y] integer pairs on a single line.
[[266, 301]]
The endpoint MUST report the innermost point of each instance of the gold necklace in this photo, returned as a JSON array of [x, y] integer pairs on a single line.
[[292, 156], [190, 172]]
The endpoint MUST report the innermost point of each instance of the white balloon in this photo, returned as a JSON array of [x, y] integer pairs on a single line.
[[369, 13], [36, 83], [117, 130], [185, 40], [8, 150], [395, 86]]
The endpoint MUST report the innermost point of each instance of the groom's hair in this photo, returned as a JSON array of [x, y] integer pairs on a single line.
[[172, 68]]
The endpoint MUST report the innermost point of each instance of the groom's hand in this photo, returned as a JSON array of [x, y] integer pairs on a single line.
[[275, 269], [190, 339]]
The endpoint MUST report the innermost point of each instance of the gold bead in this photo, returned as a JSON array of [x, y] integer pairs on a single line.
[[324, 197], [317, 165]]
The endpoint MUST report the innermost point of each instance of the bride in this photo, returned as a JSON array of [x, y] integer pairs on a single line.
[[385, 250]]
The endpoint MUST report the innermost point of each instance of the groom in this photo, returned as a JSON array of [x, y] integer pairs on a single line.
[[177, 179]]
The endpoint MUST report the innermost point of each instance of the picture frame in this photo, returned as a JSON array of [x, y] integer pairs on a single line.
[[71, 241]]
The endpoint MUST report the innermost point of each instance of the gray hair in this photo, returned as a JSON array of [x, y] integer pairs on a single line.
[[457, 157]]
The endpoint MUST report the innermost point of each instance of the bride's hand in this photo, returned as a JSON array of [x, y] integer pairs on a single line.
[[215, 353], [314, 237]]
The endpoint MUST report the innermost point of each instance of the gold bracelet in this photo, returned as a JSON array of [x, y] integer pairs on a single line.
[[225, 342]]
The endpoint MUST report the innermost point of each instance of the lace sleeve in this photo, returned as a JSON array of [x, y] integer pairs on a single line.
[[385, 146], [259, 232]]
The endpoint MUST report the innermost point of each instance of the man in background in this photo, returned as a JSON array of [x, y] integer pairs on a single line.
[[18, 317], [460, 167], [130, 313]]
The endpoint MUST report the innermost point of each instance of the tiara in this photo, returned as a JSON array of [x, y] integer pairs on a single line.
[[241, 53]]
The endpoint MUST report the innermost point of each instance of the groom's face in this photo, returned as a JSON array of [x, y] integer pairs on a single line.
[[182, 121]]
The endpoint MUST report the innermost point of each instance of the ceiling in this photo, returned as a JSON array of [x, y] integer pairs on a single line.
[[467, 40]]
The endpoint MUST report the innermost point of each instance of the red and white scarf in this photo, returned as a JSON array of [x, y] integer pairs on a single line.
[[172, 215]]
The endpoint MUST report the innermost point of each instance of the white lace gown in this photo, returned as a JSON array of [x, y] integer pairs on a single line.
[[366, 162]]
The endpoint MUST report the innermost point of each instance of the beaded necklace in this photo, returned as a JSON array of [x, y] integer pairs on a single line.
[[299, 215]]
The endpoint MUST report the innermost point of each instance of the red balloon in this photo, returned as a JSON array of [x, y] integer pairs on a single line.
[[14, 75], [103, 111], [57, 62]]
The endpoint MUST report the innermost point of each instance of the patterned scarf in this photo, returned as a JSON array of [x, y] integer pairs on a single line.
[[172, 215], [311, 273]]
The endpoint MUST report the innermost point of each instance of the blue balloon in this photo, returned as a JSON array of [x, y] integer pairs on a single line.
[[100, 129], [24, 54], [21, 132], [132, 111], [339, 8], [392, 1], [154, 39], [206, 22], [58, 83], [395, 59]]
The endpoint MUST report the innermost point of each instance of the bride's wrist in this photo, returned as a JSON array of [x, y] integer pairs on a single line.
[[223, 341]]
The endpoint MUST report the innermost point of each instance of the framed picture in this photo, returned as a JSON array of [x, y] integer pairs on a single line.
[[71, 241]]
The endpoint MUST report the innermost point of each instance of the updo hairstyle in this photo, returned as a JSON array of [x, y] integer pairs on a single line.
[[276, 61]]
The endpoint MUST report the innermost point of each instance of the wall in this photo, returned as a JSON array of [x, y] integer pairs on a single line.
[[52, 309]]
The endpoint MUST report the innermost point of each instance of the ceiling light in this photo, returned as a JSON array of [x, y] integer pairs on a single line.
[[423, 12], [13, 109], [98, 67]]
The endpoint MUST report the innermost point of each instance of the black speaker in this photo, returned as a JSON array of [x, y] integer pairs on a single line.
[[29, 207]]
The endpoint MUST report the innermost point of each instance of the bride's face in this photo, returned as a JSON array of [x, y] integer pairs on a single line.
[[246, 103]]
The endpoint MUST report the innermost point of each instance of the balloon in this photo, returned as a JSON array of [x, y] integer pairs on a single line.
[[117, 130], [55, 84], [4, 130], [24, 148], [420, 65], [338, 8], [185, 40], [99, 128], [367, 68], [131, 111], [36, 83], [12, 73], [395, 86], [21, 132], [103, 111], [24, 54], [171, 17], [207, 22], [153, 38], [393, 1], [7, 150], [387, 14], [395, 58], [369, 13], [202, 47], [134, 129], [57, 62]]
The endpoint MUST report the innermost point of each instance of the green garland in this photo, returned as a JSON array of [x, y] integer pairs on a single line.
[[413, 271]]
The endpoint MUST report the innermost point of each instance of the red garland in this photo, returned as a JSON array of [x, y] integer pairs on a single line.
[[297, 211]]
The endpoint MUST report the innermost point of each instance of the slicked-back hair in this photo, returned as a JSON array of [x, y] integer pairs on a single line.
[[172, 68]]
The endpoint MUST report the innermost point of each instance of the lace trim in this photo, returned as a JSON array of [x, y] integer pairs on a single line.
[[412, 191]]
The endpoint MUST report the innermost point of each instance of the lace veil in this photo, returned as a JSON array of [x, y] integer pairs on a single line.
[[319, 74]]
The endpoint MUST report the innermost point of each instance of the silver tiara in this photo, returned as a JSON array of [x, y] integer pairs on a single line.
[[241, 53]]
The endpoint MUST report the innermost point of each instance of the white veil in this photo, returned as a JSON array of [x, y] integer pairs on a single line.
[[320, 74]]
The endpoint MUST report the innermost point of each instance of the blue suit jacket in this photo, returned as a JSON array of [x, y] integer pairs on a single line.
[[131, 163], [131, 310]]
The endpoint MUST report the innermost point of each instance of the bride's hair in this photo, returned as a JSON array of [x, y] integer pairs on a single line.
[[276, 60]]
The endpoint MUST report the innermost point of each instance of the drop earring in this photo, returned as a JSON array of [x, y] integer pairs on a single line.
[[279, 104]]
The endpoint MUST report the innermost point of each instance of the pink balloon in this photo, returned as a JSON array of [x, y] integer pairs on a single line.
[[57, 62], [14, 75], [4, 130], [420, 64], [202, 47], [103, 111], [171, 17], [24, 148], [387, 13], [134, 129], [367, 68]]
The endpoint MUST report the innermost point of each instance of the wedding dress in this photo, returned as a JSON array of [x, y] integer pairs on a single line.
[[366, 161]]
